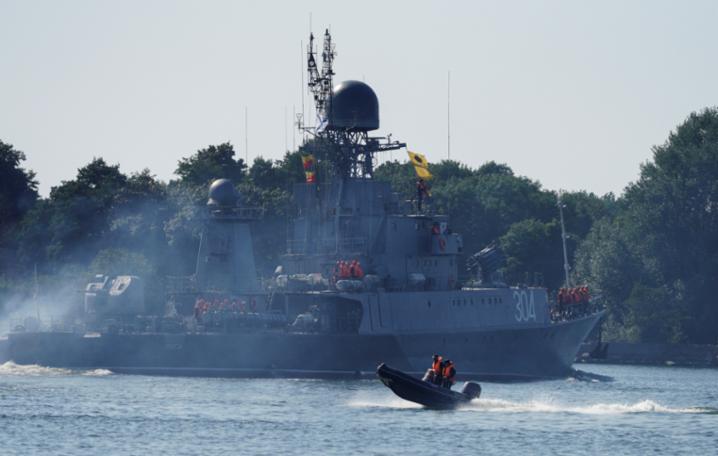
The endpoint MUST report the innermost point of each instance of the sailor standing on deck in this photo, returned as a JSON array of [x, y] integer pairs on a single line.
[[421, 192], [355, 270]]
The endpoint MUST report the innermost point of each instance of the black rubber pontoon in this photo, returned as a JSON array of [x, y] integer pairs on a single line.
[[422, 392]]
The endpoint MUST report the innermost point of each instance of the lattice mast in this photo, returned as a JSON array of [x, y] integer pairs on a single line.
[[320, 83]]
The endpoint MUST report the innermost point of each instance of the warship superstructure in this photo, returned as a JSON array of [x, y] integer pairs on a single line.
[[403, 302]]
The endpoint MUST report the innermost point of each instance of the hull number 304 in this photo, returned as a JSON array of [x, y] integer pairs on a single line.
[[525, 307]]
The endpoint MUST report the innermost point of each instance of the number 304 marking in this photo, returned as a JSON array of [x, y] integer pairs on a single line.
[[525, 307]]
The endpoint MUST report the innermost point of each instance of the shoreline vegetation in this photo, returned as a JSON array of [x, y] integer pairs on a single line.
[[649, 354], [649, 255]]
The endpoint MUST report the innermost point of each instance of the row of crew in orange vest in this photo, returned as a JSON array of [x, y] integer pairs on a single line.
[[344, 270], [575, 295], [444, 372]]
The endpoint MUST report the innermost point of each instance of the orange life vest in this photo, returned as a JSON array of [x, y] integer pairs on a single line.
[[437, 365], [358, 272], [449, 372], [344, 272]]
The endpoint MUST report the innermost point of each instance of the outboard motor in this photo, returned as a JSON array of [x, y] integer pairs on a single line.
[[471, 389]]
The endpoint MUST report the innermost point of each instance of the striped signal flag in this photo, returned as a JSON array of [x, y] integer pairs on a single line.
[[308, 163]]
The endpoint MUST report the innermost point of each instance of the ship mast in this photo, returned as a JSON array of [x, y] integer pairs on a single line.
[[566, 267], [344, 144], [320, 82]]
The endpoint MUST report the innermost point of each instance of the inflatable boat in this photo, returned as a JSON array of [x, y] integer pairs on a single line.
[[425, 393]]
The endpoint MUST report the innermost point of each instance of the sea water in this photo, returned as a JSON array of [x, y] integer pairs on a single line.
[[643, 410]]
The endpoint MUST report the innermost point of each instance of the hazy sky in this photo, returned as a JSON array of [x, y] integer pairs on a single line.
[[570, 93]]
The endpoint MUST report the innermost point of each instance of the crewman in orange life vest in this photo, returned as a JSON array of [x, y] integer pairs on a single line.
[[449, 373], [356, 270], [344, 272], [436, 369]]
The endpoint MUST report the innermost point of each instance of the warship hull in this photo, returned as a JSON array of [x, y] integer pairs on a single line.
[[498, 354]]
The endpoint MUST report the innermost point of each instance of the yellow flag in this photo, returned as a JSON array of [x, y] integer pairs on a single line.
[[421, 166], [422, 172]]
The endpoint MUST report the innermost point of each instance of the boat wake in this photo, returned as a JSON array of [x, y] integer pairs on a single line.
[[645, 406], [33, 370], [96, 373], [503, 406]]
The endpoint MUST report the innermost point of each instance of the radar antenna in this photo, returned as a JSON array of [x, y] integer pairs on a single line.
[[344, 116]]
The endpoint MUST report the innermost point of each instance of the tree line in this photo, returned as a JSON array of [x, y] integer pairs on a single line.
[[650, 255]]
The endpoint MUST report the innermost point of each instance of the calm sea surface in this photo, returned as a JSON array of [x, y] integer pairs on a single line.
[[645, 410]]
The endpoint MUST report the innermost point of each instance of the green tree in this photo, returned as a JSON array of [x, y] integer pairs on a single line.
[[122, 262], [212, 162], [484, 206], [100, 209], [18, 188], [607, 261], [533, 247], [79, 211], [657, 261], [401, 177], [673, 217]]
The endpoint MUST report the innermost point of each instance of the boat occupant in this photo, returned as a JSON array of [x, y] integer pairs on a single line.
[[449, 373], [435, 371]]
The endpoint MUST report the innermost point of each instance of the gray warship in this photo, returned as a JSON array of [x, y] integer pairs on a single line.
[[311, 318]]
